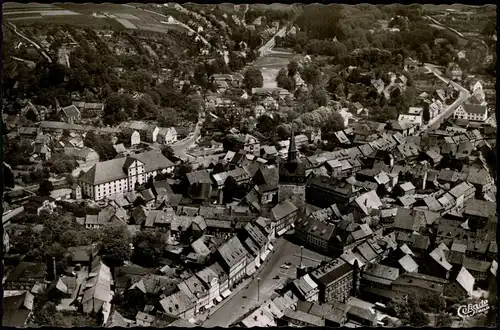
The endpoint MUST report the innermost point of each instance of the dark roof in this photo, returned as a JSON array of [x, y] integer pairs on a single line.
[[27, 271], [480, 208], [232, 252], [474, 108], [201, 176], [332, 271]]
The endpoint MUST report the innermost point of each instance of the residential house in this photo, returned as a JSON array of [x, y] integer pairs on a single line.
[[121, 175], [418, 284], [24, 276], [305, 288], [178, 305], [479, 269], [200, 185], [298, 318], [362, 316], [71, 114], [454, 71], [147, 131], [460, 285], [233, 258], [406, 188], [85, 155], [216, 280], [479, 213], [284, 215], [36, 204], [196, 292], [266, 185], [334, 314], [438, 264], [90, 109], [379, 276], [167, 135], [315, 234], [97, 294], [335, 280]]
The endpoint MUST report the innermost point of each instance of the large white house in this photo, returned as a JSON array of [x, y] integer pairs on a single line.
[[120, 175], [414, 116], [472, 112]]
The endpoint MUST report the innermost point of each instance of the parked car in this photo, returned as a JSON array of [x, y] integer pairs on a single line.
[[276, 277], [285, 266]]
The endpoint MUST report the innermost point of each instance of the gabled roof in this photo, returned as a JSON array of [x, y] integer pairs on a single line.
[[232, 252], [466, 280], [283, 209]]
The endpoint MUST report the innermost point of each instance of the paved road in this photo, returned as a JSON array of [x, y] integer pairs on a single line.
[[180, 147], [268, 46], [35, 44], [448, 111], [237, 306]]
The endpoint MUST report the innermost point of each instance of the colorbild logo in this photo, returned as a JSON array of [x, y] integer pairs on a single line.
[[473, 309]]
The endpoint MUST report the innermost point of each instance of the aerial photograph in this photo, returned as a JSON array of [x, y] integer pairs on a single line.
[[249, 165]]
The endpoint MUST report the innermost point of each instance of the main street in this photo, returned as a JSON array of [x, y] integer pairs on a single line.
[[239, 303], [448, 111]]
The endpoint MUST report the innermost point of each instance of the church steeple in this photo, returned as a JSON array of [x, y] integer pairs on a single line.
[[292, 150]]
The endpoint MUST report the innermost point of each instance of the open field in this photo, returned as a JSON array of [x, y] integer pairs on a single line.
[[98, 16]]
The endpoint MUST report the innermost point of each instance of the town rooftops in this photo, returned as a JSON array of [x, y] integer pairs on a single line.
[[232, 252], [113, 169], [305, 284], [380, 274], [480, 208], [176, 303], [71, 111], [466, 280], [283, 209], [439, 255], [26, 271], [332, 271], [475, 108], [408, 264], [199, 177], [421, 282]]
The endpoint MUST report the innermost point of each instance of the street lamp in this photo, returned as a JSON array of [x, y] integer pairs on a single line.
[[258, 289]]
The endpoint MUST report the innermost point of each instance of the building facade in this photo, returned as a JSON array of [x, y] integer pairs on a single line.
[[122, 174]]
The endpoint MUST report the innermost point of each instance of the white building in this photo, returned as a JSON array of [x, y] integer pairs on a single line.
[[167, 135], [472, 112], [414, 116], [120, 175]]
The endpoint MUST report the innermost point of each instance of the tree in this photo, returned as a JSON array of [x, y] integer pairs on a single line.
[[418, 318], [266, 125], [409, 77], [311, 75], [168, 152], [443, 320], [148, 248], [253, 78], [283, 131], [319, 96], [426, 114], [183, 169], [333, 83], [116, 244], [45, 188], [293, 68]]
